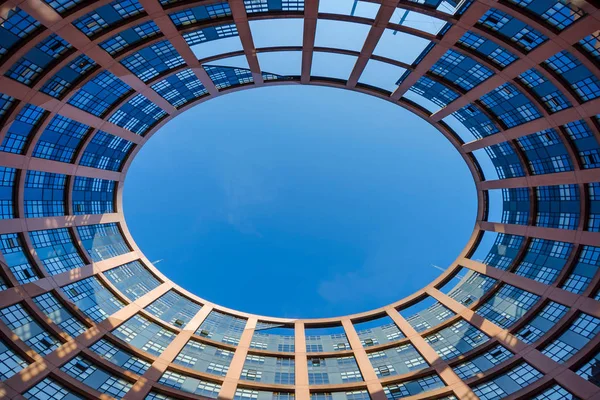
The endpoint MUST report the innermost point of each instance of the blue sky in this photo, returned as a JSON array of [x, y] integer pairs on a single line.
[[299, 201]]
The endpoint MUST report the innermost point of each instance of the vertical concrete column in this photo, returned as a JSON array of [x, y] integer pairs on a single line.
[[430, 355], [143, 386], [237, 363], [301, 362], [374, 387]]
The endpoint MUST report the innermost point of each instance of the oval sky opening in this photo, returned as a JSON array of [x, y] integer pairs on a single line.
[[297, 201]]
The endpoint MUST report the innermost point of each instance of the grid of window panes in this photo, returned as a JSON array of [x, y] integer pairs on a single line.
[[544, 259], [93, 298], [69, 75], [132, 279], [63, 6], [49, 389], [507, 305], [103, 17], [544, 90], [555, 392], [59, 314], [426, 314], [102, 241], [333, 370], [93, 196], [153, 60], [591, 45], [585, 270], [378, 331], [476, 121], [398, 360], [512, 28], [204, 358], [320, 340], [515, 206], [505, 160], [129, 37], [461, 70], [38, 60], [583, 329], [21, 129], [174, 309], [137, 115], [221, 327], [193, 15], [586, 144], [190, 384], [558, 206], [145, 335], [545, 152], [413, 387], [471, 287], [482, 362], [210, 33], [593, 223], [15, 26], [44, 194], [92, 375], [60, 139], [10, 362], [180, 88], [6, 103], [273, 337], [559, 14], [487, 48], [120, 357], [255, 6], [99, 94], [224, 77], [508, 383], [56, 249], [578, 76], [590, 370], [510, 105], [542, 322], [15, 256], [105, 151], [434, 91], [259, 368], [456, 339], [19, 320], [7, 187], [248, 394]]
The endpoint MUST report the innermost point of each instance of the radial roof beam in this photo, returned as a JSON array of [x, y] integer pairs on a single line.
[[559, 178], [381, 21], [540, 232], [238, 11], [168, 28], [311, 10], [468, 20]]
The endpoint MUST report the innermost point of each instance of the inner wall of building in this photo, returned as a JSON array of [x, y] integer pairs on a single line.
[[513, 85]]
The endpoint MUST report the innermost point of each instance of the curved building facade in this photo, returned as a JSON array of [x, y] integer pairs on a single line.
[[84, 314]]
